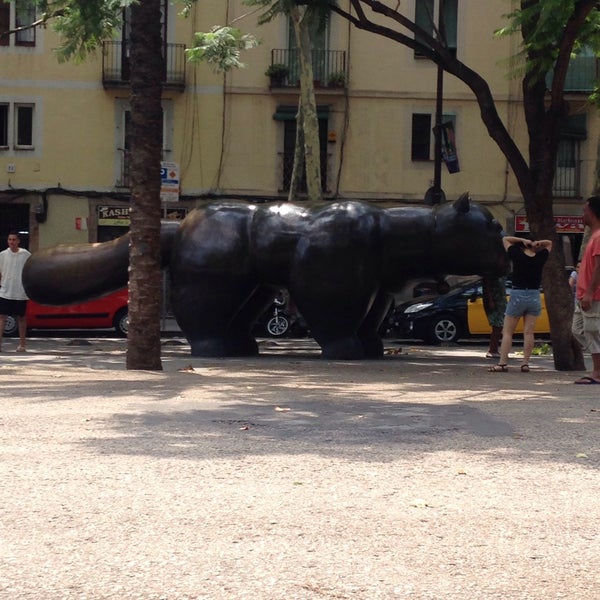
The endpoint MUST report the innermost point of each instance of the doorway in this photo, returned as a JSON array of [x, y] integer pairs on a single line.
[[289, 145], [14, 217]]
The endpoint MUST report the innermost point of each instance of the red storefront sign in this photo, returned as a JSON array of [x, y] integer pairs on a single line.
[[564, 224]]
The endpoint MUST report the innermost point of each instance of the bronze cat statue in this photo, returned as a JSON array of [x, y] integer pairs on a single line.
[[340, 262]]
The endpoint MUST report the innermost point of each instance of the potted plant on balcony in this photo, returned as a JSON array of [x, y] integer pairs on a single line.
[[277, 73], [337, 79]]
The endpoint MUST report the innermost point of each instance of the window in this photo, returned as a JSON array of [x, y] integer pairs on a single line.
[[320, 56], [123, 139], [4, 23], [567, 178], [582, 72], [24, 125], [422, 139], [287, 114], [24, 17], [3, 125], [17, 126], [15, 15], [427, 13]]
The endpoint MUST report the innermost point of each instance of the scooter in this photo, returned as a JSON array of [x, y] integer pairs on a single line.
[[284, 321], [279, 323]]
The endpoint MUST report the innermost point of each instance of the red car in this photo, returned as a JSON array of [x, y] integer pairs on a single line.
[[106, 312]]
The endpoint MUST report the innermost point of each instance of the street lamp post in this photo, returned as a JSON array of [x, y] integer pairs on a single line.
[[435, 194], [437, 164]]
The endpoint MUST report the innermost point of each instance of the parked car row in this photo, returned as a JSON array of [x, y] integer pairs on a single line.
[[432, 318], [110, 312], [449, 317]]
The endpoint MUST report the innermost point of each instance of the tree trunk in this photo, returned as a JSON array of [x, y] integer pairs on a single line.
[[145, 281], [542, 112], [298, 166], [543, 122], [567, 352], [310, 122]]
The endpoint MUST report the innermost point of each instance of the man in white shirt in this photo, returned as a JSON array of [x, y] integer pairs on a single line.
[[13, 299]]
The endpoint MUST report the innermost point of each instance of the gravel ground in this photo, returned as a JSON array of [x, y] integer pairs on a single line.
[[419, 476]]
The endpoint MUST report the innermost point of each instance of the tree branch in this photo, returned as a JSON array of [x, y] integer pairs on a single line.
[[582, 9], [440, 55], [41, 22]]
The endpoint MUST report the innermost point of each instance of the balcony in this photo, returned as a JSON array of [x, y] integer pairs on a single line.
[[329, 67], [115, 65]]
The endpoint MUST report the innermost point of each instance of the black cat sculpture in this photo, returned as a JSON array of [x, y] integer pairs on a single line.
[[340, 262]]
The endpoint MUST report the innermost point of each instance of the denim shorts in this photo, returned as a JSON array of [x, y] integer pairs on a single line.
[[524, 302]]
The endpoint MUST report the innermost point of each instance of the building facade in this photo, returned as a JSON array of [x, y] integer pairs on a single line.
[[64, 126]]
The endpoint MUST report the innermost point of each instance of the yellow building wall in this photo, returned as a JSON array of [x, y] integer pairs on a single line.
[[60, 226], [221, 132]]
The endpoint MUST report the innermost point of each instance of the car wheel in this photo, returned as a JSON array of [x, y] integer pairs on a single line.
[[11, 326], [121, 322], [278, 326], [444, 329]]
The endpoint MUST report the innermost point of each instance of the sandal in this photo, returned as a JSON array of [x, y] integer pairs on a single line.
[[21, 349], [498, 369], [524, 368]]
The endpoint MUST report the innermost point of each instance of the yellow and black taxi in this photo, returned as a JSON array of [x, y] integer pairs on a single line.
[[450, 317]]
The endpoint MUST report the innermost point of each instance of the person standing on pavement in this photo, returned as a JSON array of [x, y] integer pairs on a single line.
[[494, 304], [586, 318], [528, 260], [13, 299]]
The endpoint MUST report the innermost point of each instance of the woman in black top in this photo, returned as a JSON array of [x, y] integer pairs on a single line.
[[528, 260]]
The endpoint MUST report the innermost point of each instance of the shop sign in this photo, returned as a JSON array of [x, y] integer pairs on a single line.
[[113, 215], [563, 224], [169, 181]]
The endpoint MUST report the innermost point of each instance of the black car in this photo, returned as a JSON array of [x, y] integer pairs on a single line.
[[458, 314], [435, 318]]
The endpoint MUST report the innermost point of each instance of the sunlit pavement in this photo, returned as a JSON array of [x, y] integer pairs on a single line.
[[286, 476]]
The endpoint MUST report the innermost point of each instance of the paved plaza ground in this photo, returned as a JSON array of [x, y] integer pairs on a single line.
[[284, 477]]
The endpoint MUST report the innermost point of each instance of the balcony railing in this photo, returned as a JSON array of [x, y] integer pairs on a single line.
[[567, 179], [329, 66], [567, 182], [116, 72]]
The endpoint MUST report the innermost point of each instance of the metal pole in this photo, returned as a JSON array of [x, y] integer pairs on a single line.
[[437, 165]]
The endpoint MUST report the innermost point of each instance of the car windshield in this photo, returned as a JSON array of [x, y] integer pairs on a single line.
[[466, 291]]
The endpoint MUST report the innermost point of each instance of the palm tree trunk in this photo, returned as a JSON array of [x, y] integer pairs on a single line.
[[143, 347]]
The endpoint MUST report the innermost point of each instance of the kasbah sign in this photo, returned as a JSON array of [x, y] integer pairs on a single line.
[[563, 224], [113, 215]]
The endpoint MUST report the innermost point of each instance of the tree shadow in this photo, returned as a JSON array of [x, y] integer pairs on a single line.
[[419, 401]]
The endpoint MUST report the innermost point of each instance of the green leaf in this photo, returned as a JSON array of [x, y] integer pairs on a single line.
[[221, 48]]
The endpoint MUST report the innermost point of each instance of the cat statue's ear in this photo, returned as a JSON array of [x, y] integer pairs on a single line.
[[463, 204]]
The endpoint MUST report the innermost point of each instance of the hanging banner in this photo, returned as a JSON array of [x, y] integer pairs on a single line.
[[449, 155]]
